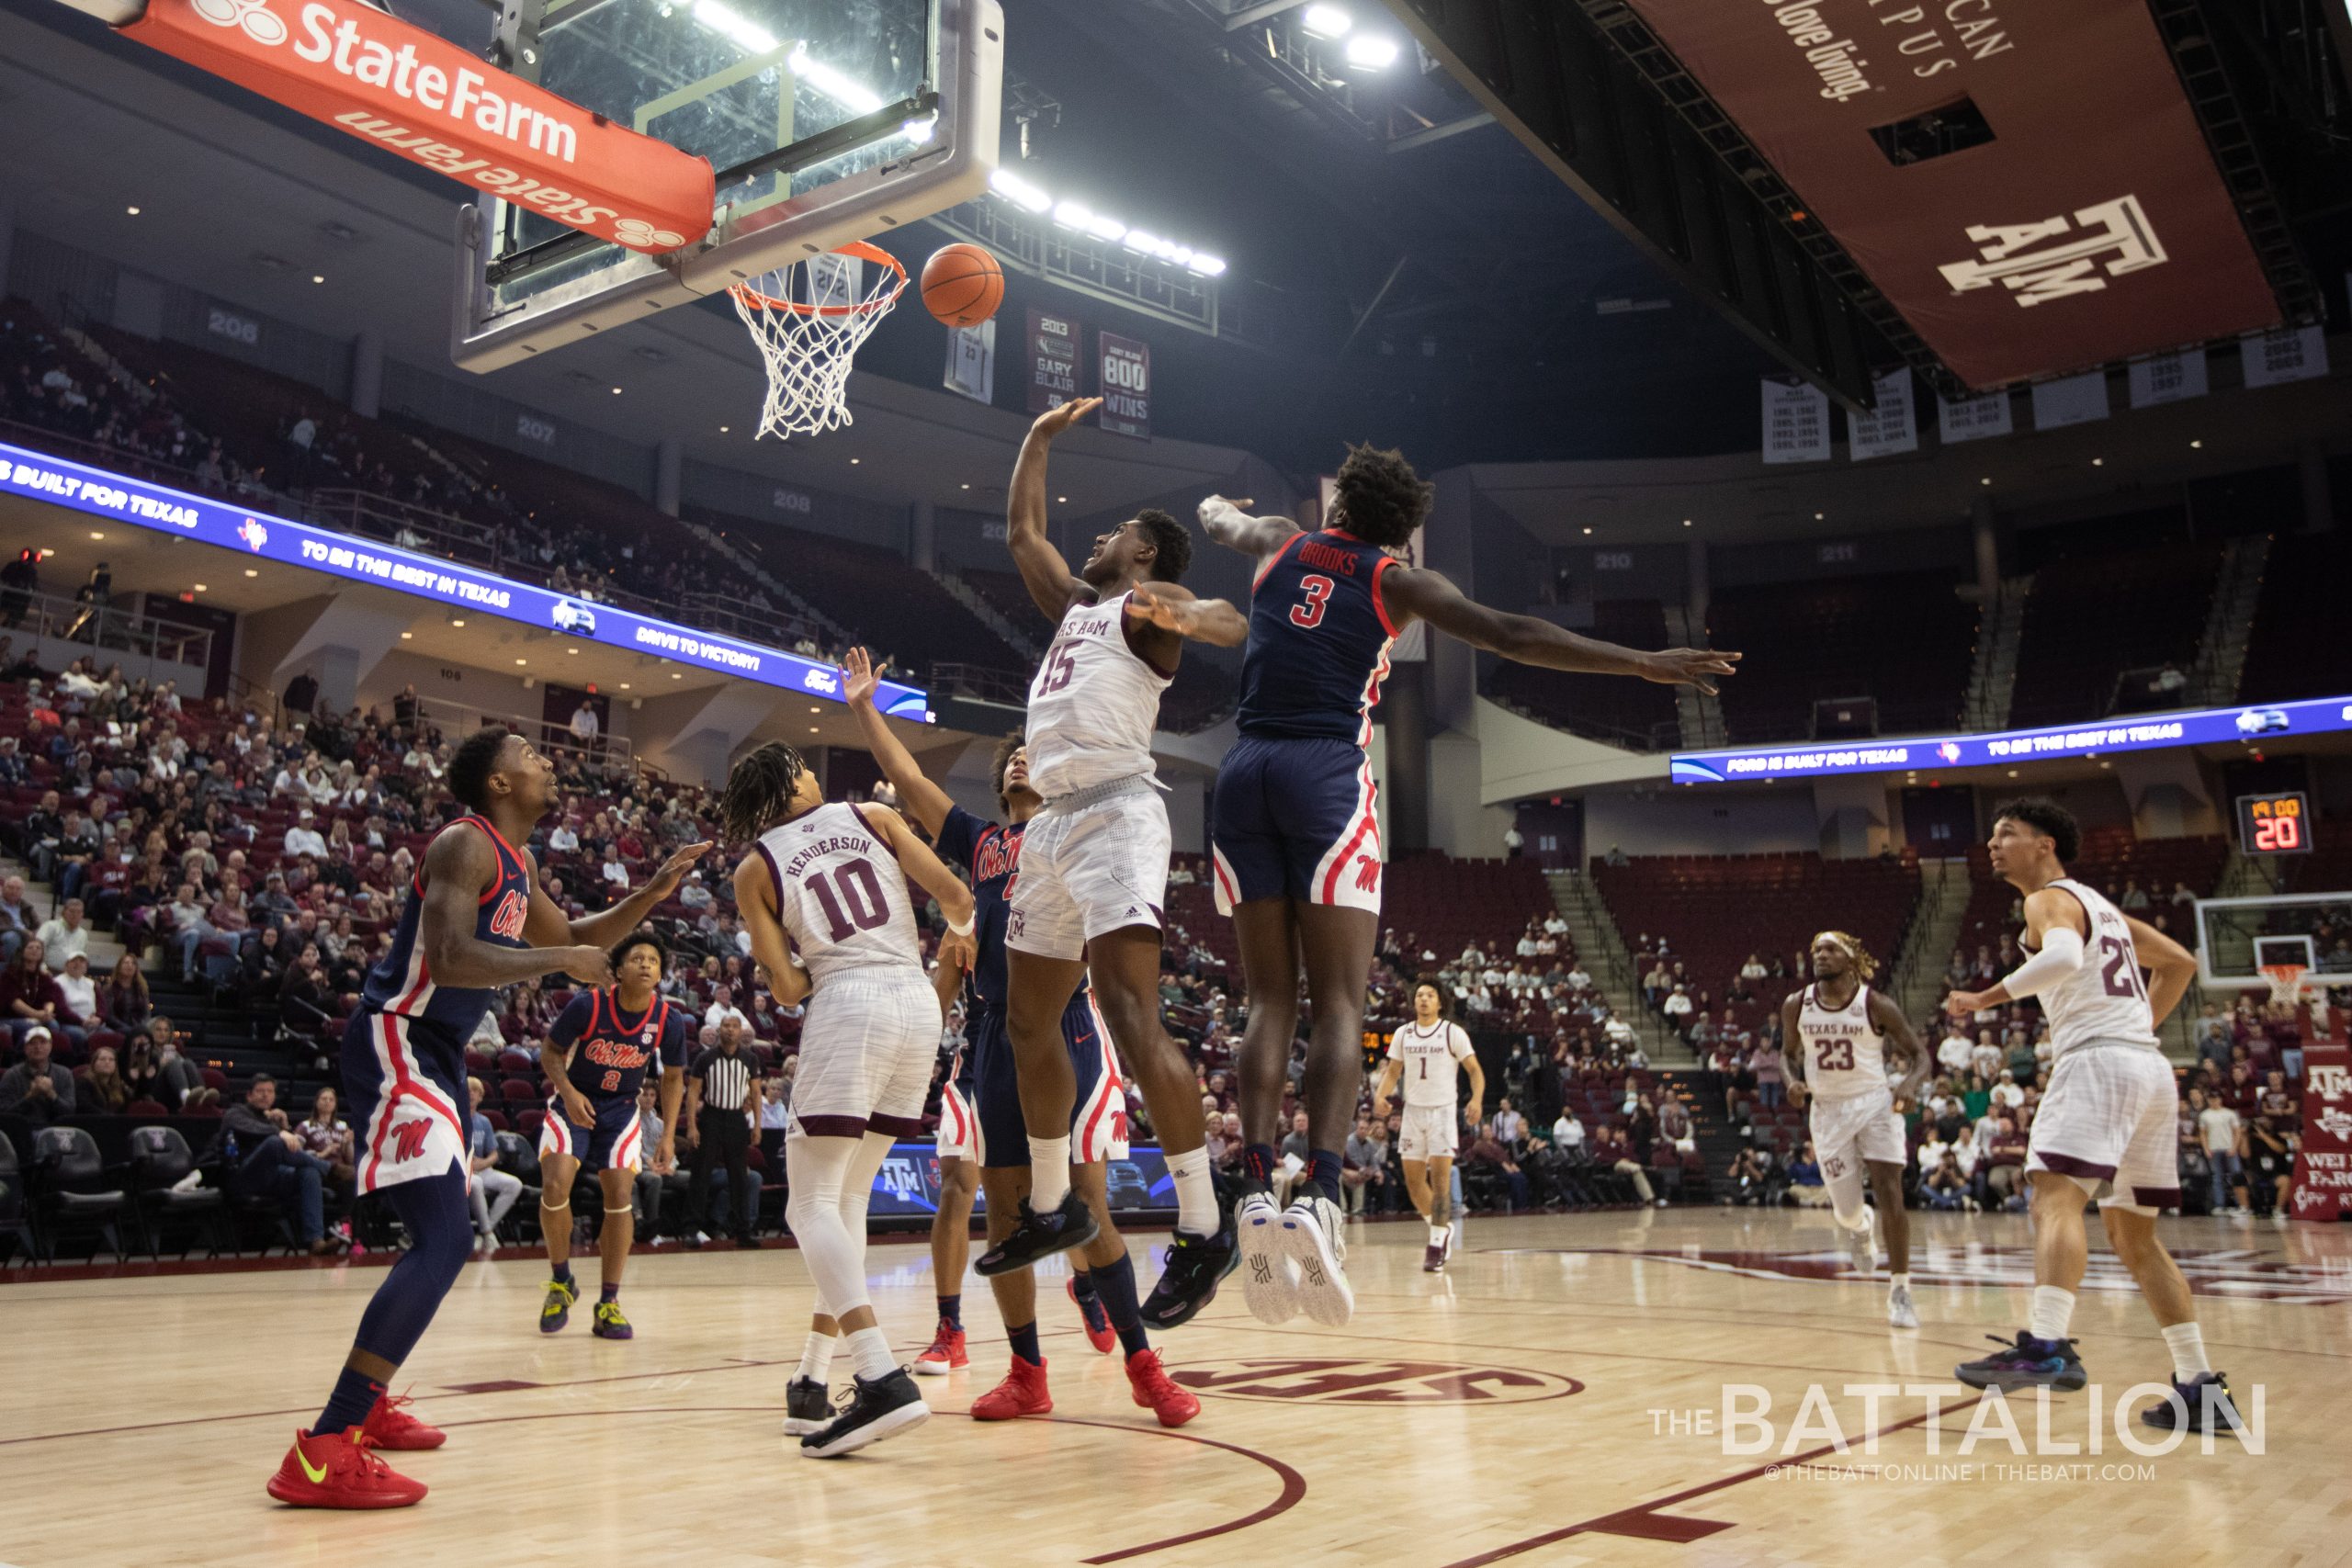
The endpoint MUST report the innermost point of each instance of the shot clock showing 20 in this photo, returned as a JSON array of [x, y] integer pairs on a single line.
[[2277, 824]]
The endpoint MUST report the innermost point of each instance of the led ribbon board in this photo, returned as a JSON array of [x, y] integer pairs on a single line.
[[262, 537], [2139, 732]]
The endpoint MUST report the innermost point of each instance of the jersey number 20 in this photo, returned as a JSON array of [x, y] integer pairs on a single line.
[[852, 900], [1317, 589]]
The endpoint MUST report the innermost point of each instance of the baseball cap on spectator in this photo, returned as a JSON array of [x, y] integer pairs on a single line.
[[37, 1031]]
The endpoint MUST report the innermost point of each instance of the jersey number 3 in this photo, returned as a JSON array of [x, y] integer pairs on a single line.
[[1316, 589]]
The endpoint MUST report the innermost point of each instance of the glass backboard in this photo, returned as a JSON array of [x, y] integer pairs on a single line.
[[823, 120], [2237, 936]]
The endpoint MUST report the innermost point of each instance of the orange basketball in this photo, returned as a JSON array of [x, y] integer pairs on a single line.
[[962, 285]]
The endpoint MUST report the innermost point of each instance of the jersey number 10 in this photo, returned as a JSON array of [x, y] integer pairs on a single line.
[[851, 899]]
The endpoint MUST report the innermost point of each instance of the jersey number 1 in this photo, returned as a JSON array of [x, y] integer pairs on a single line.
[[1317, 589], [854, 888]]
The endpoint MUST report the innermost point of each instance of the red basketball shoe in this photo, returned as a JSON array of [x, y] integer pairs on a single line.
[[945, 1354], [1157, 1392], [1023, 1392], [1099, 1332], [390, 1426], [339, 1473]]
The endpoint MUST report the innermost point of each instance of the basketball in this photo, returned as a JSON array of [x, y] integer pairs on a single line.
[[962, 285]]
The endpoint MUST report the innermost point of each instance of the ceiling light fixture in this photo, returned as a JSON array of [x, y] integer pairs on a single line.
[[98, 534], [408, 636], [317, 277], [1326, 21], [1373, 52], [132, 210], [253, 572]]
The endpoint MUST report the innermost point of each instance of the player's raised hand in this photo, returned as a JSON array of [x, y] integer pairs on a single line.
[[1053, 422], [963, 951], [1169, 614], [674, 870], [858, 680], [1689, 667], [1238, 503]]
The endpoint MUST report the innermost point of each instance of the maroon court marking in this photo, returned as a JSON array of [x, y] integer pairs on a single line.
[[1387, 1381], [1293, 1484], [1643, 1521]]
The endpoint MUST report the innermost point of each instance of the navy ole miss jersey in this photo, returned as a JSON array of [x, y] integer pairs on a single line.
[[611, 1047], [1319, 640], [989, 854], [402, 983]]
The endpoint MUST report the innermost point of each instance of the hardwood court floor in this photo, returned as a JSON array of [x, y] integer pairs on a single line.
[[1515, 1410]]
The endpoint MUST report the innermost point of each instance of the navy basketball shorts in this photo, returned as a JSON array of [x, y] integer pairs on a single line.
[[1295, 820], [1098, 1117], [404, 1088], [617, 1141]]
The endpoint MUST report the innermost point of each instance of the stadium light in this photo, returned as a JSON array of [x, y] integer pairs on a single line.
[[1326, 21], [825, 79], [1371, 51], [1018, 191], [1072, 214], [1104, 228], [1205, 265], [733, 26]]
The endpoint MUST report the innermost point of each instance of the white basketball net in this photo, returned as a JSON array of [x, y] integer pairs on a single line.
[[809, 319]]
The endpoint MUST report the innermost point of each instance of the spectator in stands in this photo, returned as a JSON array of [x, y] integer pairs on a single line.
[[1487, 1153], [329, 1136], [80, 993], [1765, 1063], [16, 917], [1806, 1188], [181, 1080], [101, 1090], [266, 1159], [492, 1191], [188, 922], [1676, 1009], [2222, 1135], [1944, 1184], [304, 838], [19, 581], [1752, 1178], [1213, 1131], [1954, 1053], [2000, 1171], [1293, 1145], [1611, 1152], [1364, 1165], [2270, 1163], [30, 999], [37, 1089], [1509, 1126], [2133, 897], [1616, 856]]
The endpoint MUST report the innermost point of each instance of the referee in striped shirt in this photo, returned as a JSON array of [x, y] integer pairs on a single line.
[[720, 1100]]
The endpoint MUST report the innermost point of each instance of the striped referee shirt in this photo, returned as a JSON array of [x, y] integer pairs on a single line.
[[726, 1079]]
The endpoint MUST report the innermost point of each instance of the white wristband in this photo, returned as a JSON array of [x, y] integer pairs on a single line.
[[964, 929]]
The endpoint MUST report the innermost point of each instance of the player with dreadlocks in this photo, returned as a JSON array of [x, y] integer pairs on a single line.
[[824, 897], [1836, 1035]]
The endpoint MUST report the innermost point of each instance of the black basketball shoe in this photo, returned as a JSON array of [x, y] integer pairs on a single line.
[[1040, 1235], [1188, 1282], [2205, 1400], [885, 1407], [807, 1404]]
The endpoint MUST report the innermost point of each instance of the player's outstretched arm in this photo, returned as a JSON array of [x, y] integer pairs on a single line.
[[1229, 524], [1903, 1040], [929, 803], [458, 868], [1174, 609], [1386, 1088], [2171, 967], [1526, 640], [930, 873], [550, 927], [2055, 930], [755, 900], [1042, 568], [1793, 1048]]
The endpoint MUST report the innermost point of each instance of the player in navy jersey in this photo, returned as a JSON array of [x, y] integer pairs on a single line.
[[595, 1054], [1102, 1282], [475, 920], [1296, 834]]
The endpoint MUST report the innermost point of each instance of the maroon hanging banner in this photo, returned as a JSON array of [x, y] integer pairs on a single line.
[[1053, 360], [2091, 225], [1126, 385], [2324, 1164]]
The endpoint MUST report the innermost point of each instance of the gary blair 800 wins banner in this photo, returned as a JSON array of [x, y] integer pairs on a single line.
[[1126, 386]]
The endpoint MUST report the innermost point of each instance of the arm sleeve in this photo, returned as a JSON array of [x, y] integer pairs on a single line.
[[959, 835], [572, 1021], [2061, 955]]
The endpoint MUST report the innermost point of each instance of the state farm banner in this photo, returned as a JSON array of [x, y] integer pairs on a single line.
[[2090, 226], [409, 92], [1796, 422], [2324, 1164], [2167, 378], [1889, 428], [1053, 360], [1125, 386], [2072, 399]]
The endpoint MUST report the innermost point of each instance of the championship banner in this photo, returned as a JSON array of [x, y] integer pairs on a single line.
[[1796, 422], [2084, 221], [2292, 354], [1888, 429], [2167, 378], [2077, 400], [1125, 386], [2324, 1165], [1052, 361], [408, 91], [971, 361], [1973, 419]]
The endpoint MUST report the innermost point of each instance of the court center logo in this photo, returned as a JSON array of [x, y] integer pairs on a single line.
[[2057, 256], [1376, 1381]]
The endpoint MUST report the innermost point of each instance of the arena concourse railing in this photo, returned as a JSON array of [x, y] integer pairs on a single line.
[[107, 628]]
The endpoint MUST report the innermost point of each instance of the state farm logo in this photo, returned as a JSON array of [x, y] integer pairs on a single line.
[[259, 22], [2058, 256], [1316, 1381]]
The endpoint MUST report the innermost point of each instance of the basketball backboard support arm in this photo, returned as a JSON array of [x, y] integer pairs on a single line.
[[501, 314]]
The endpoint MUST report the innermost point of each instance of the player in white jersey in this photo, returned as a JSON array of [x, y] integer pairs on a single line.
[[1094, 866], [824, 897], [2108, 1122], [1423, 1055], [1836, 1037]]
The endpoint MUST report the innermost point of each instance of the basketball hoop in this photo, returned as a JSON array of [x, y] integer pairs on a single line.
[[2286, 982], [808, 320]]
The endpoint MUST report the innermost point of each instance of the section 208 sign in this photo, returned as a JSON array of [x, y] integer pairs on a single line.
[[262, 537]]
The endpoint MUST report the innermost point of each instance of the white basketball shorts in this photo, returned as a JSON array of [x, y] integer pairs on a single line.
[[867, 1051], [1849, 1133], [1428, 1131], [2111, 1121], [1090, 863]]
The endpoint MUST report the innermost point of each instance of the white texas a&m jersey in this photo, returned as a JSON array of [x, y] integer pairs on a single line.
[[841, 893], [2105, 998], [1844, 1054], [1429, 1058], [1094, 705]]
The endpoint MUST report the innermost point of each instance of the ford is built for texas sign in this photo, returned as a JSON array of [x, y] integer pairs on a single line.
[[144, 506]]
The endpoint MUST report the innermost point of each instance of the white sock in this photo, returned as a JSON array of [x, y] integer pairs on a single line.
[[1898, 1283], [871, 1348], [1049, 1173], [2053, 1309], [2187, 1343], [1437, 1235], [816, 1357], [1195, 1193]]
